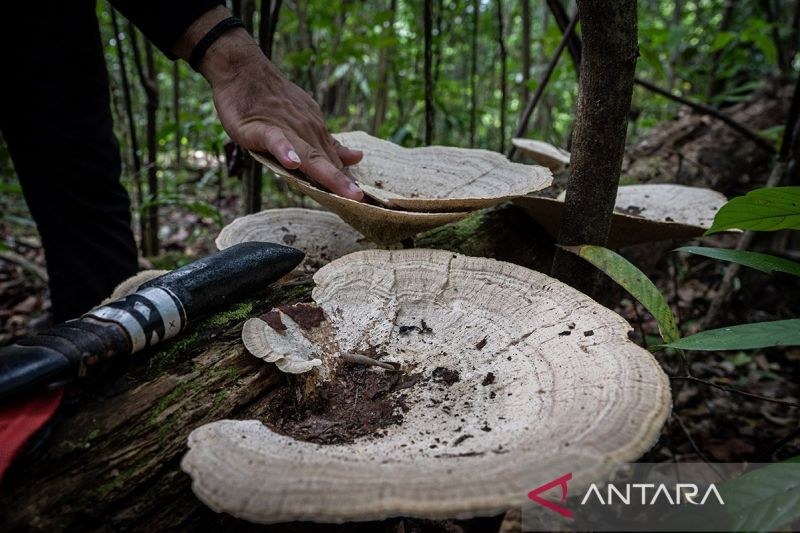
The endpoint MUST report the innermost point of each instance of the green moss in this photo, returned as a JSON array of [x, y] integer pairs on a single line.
[[457, 237], [239, 312], [166, 357], [71, 445], [120, 479], [169, 399]]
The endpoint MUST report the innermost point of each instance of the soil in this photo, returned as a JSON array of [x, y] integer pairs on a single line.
[[307, 316], [444, 375], [357, 402]]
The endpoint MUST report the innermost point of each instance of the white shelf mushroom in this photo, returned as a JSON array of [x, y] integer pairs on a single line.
[[554, 158], [322, 235], [643, 213], [418, 189], [521, 375]]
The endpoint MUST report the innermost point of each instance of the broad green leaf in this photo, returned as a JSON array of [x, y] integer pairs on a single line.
[[635, 282], [743, 337], [763, 262], [764, 499], [767, 209]]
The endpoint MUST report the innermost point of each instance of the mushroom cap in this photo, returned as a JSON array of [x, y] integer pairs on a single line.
[[554, 158], [643, 213], [434, 178], [322, 235], [547, 382], [439, 178], [378, 224]]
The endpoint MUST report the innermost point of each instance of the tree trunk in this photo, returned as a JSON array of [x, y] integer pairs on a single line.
[[382, 77], [574, 43], [252, 178], [133, 137], [501, 44], [176, 111], [430, 111], [112, 459], [604, 98], [149, 81], [473, 74], [526, 49]]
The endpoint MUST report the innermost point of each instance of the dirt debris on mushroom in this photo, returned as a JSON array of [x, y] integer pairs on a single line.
[[528, 401]]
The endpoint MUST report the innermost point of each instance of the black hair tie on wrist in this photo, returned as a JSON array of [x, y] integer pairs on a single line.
[[208, 39]]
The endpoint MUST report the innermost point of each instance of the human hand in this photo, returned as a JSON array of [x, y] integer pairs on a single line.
[[265, 112]]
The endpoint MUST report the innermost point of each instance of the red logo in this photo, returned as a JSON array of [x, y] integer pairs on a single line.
[[558, 482]]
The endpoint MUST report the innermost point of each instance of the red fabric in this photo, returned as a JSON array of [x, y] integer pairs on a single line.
[[21, 419]]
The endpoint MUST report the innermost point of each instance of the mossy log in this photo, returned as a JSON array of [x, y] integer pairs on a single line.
[[111, 461]]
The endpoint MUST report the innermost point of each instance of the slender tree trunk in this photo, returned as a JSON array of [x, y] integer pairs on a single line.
[[604, 98], [149, 81], [428, 71], [134, 141], [473, 73], [252, 177], [176, 110], [574, 43], [715, 85], [307, 38], [771, 14], [674, 56], [501, 44], [384, 62], [526, 49], [270, 11], [544, 113]]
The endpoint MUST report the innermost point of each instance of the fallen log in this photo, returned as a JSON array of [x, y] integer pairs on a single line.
[[111, 461]]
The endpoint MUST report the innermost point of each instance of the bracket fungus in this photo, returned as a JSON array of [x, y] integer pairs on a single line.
[[322, 235], [413, 190], [517, 374], [643, 213], [554, 158], [439, 178]]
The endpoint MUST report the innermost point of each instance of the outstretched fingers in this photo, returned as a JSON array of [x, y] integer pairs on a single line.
[[319, 168]]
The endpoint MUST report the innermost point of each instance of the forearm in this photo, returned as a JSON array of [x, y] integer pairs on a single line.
[[164, 23]]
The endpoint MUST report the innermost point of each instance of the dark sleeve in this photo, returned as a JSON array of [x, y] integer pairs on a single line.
[[163, 22]]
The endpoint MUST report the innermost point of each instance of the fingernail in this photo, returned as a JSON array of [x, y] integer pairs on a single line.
[[352, 187], [292, 155]]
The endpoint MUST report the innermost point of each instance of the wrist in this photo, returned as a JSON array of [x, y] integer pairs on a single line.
[[232, 52]]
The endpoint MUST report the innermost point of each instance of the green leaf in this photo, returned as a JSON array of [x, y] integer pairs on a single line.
[[767, 209], [635, 282], [763, 262], [743, 337], [765, 499]]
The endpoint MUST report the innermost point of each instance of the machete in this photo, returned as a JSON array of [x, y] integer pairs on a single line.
[[158, 310]]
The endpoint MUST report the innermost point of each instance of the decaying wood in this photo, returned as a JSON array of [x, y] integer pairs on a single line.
[[111, 461], [700, 151]]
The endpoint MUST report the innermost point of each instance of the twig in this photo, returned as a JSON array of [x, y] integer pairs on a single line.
[[526, 115], [575, 50], [694, 445], [30, 266], [778, 445], [736, 391], [711, 111], [359, 359]]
